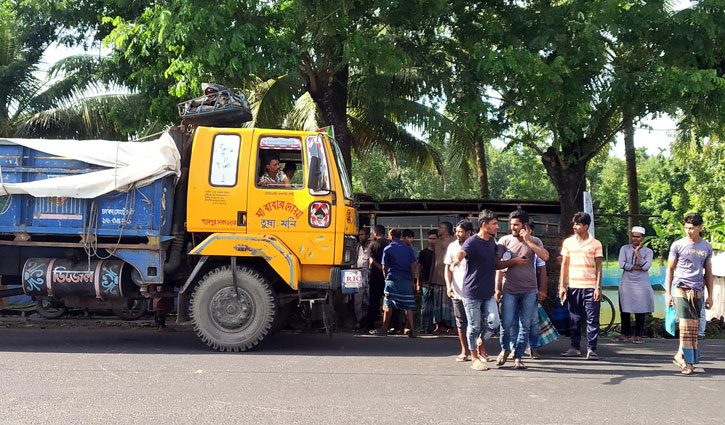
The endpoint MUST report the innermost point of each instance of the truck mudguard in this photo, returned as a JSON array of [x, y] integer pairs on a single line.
[[268, 247]]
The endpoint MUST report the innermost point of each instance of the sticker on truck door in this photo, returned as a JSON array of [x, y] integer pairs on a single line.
[[320, 214]]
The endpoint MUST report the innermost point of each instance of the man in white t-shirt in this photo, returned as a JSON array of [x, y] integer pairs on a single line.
[[454, 283]]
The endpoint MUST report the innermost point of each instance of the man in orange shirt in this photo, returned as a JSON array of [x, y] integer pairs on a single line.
[[580, 282]]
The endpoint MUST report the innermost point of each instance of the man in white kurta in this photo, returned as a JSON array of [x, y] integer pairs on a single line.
[[635, 289]]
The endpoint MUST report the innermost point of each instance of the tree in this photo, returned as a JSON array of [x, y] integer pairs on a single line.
[[562, 81], [323, 43], [22, 43], [55, 107]]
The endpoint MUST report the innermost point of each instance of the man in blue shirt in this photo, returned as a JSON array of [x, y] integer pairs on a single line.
[[478, 287], [399, 264]]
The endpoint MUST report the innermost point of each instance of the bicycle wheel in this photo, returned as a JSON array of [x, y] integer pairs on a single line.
[[607, 314]]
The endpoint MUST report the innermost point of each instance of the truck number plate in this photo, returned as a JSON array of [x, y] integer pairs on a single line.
[[352, 279]]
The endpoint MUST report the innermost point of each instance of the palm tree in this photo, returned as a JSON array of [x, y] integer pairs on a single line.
[[58, 106], [62, 108]]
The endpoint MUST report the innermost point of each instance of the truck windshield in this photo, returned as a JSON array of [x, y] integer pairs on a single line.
[[340, 162]]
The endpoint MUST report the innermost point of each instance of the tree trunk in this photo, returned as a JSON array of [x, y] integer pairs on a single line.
[[631, 158], [481, 167], [331, 97], [568, 181]]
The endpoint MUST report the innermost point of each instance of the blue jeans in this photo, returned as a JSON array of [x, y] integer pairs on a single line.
[[515, 308], [476, 310], [534, 333]]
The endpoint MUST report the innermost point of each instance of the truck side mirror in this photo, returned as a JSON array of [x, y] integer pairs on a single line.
[[313, 181]]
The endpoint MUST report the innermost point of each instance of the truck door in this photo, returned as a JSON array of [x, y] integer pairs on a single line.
[[291, 197]]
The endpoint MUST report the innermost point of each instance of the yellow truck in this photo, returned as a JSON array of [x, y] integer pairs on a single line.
[[237, 224], [260, 245]]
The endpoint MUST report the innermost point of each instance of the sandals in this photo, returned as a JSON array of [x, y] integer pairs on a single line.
[[462, 358], [535, 355], [620, 338], [592, 355], [686, 369], [518, 364], [379, 332], [571, 353], [479, 366], [501, 359], [679, 363], [637, 340]]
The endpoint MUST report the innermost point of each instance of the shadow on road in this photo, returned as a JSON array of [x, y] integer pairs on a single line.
[[622, 360]]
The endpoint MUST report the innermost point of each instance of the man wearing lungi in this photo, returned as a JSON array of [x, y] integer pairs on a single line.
[[635, 289], [689, 269], [399, 265]]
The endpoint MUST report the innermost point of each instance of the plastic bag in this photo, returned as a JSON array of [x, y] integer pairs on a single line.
[[671, 321]]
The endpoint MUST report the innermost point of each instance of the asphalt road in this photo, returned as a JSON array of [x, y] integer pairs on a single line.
[[140, 376]]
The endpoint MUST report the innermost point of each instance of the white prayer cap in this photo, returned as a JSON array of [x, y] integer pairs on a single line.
[[638, 229]]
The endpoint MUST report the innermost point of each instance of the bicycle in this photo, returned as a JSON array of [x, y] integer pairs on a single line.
[[607, 306]]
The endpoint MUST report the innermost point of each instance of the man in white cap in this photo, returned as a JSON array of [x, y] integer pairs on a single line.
[[635, 290]]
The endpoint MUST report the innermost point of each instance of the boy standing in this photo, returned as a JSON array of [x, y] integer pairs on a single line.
[[581, 283], [690, 269]]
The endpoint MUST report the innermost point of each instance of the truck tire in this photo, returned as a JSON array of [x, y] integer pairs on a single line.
[[50, 309], [225, 322], [134, 311]]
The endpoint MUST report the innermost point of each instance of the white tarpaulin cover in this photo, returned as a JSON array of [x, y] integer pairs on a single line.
[[129, 163]]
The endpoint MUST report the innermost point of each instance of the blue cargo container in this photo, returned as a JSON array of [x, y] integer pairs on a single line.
[[140, 212], [137, 222]]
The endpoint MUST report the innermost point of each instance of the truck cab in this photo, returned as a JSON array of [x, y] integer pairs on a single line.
[[276, 206]]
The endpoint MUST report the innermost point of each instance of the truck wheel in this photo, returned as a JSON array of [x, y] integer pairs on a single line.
[[225, 322], [134, 309], [50, 309]]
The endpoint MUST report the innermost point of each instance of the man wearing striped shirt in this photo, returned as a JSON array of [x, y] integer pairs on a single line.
[[580, 282]]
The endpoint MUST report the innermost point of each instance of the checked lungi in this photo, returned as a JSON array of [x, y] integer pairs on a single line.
[[688, 303], [399, 294]]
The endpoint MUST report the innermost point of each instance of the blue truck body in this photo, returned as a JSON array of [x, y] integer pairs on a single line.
[[137, 221]]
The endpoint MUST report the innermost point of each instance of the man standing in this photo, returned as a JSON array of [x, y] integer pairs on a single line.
[[399, 264], [478, 286], [635, 289], [426, 258], [360, 299], [376, 280], [535, 332], [442, 317], [689, 268], [581, 283], [520, 291], [454, 283]]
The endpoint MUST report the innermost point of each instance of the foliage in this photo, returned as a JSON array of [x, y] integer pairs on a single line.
[[515, 174], [26, 30], [326, 46], [57, 106]]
